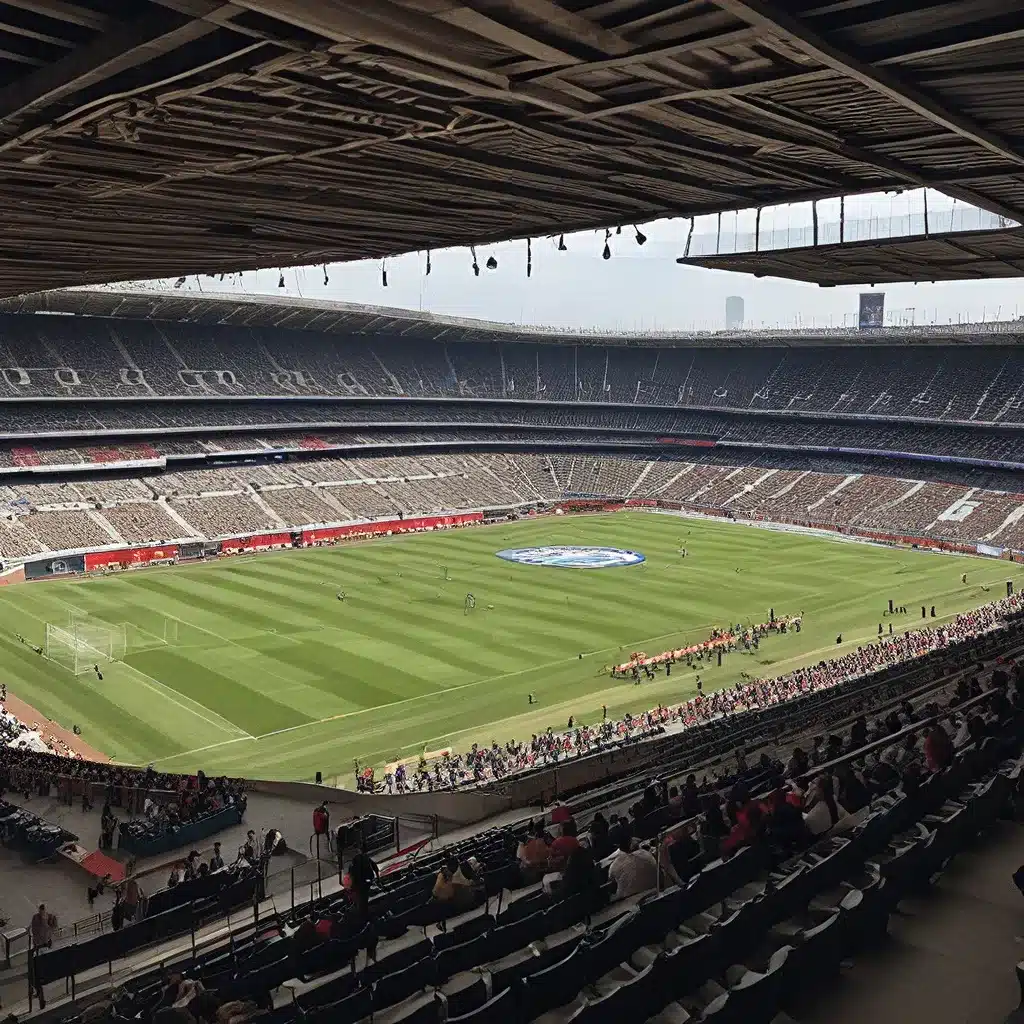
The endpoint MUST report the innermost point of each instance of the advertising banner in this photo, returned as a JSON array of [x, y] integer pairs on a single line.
[[127, 557], [872, 310], [62, 565], [259, 542], [329, 533]]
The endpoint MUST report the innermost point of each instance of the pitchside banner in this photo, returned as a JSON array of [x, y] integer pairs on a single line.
[[41, 568], [872, 310]]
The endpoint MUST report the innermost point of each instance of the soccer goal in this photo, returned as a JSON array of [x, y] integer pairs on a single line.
[[81, 645]]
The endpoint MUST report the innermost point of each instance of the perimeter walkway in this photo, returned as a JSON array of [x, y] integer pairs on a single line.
[[951, 954]]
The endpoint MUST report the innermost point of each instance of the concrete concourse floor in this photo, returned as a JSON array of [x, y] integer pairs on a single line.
[[951, 954]]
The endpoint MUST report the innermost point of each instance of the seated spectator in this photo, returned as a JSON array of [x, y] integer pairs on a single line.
[[216, 861], [454, 883], [749, 827], [681, 854], [713, 828], [786, 829], [821, 811], [177, 875], [560, 814], [533, 853], [632, 871], [600, 843], [797, 765], [580, 874], [853, 793], [938, 749], [564, 846], [690, 797]]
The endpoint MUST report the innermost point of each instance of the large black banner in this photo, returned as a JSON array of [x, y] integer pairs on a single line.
[[872, 310], [61, 566]]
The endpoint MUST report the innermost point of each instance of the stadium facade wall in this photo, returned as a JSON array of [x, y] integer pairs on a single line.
[[452, 809], [48, 568]]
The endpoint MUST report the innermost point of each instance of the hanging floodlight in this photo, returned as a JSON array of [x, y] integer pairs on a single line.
[[326, 278], [428, 263], [492, 263], [384, 273], [562, 247], [606, 253], [529, 257], [640, 236], [476, 265], [280, 280]]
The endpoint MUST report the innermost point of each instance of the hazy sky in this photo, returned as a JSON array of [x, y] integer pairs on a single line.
[[642, 288]]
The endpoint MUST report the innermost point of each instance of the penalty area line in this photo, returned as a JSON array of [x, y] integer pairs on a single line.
[[209, 746]]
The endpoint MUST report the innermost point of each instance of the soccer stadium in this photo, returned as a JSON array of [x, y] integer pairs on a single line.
[[371, 664]]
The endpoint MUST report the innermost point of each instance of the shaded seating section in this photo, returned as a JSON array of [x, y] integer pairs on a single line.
[[143, 838], [29, 834], [170, 913], [726, 945]]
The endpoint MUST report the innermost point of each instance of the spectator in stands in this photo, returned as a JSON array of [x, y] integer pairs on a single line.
[[456, 884], [797, 765], [580, 874], [177, 875], [533, 853], [821, 811], [899, 755], [632, 871], [938, 748], [690, 798], [600, 844], [363, 872], [564, 846], [713, 827], [250, 850], [216, 861], [852, 792], [42, 928]]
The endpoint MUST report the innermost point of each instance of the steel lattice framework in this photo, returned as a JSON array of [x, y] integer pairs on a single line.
[[151, 138]]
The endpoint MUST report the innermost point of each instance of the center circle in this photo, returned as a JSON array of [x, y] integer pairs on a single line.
[[568, 556]]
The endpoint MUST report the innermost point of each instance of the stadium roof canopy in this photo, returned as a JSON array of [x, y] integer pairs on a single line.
[[152, 138], [343, 318], [958, 256]]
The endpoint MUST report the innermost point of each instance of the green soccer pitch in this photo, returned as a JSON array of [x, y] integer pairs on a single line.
[[252, 666]]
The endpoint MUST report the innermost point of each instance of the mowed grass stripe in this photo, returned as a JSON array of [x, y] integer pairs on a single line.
[[84, 701], [251, 711], [383, 659]]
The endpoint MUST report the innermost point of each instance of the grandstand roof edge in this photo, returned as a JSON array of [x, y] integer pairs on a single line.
[[329, 317]]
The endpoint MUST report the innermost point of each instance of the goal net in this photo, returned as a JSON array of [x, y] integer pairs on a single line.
[[81, 645]]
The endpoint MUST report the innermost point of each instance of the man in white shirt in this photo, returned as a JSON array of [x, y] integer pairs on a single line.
[[632, 871]]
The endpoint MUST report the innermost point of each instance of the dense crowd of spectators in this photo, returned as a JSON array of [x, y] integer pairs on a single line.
[[481, 765], [225, 502]]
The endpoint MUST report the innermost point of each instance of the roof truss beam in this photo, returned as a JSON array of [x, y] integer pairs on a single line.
[[766, 16], [118, 50]]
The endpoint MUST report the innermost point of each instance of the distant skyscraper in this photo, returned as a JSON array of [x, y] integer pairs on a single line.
[[733, 313]]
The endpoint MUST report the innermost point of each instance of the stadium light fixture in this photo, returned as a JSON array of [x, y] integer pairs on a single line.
[[562, 247], [529, 257], [384, 273], [476, 264], [428, 263], [492, 263], [606, 254], [640, 236], [280, 280], [326, 278], [179, 282]]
